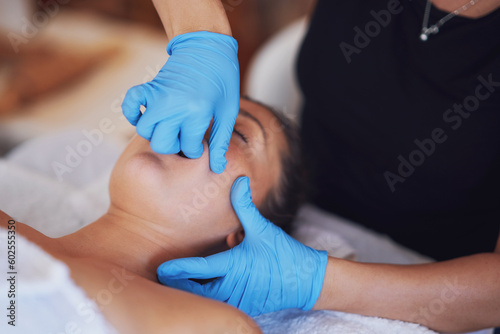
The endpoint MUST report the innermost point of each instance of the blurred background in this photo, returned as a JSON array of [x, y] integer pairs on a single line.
[[70, 62]]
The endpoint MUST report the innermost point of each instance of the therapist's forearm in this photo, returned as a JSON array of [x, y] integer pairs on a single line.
[[183, 16], [452, 296]]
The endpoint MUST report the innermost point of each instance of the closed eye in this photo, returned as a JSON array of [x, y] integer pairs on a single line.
[[245, 139]]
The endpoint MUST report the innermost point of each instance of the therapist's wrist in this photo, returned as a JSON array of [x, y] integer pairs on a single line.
[[181, 17], [344, 286], [340, 288]]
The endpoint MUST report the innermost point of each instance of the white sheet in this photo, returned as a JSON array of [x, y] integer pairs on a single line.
[[46, 300], [33, 194]]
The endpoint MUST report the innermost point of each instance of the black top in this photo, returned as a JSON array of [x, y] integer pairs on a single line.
[[402, 135]]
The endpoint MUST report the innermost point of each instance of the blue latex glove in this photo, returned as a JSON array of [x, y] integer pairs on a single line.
[[199, 81], [268, 271]]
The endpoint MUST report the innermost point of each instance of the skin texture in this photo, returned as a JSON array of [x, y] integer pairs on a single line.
[[481, 8], [144, 227], [179, 17]]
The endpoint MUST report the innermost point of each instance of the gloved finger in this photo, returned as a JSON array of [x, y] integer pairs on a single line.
[[220, 136], [211, 290], [146, 124], [241, 199], [131, 105], [191, 139], [165, 139], [212, 266], [183, 284]]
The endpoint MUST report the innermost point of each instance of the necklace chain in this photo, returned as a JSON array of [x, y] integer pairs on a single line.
[[434, 29]]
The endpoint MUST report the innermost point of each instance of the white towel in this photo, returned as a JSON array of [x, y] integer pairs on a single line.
[[295, 321], [32, 193], [41, 295]]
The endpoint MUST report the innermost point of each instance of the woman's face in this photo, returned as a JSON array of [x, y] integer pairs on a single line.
[[171, 189]]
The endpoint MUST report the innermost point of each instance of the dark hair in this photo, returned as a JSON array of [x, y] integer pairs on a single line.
[[282, 202]]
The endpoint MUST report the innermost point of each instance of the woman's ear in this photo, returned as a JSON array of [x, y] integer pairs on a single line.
[[235, 238]]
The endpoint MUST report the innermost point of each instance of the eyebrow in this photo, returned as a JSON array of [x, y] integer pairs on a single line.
[[245, 113]]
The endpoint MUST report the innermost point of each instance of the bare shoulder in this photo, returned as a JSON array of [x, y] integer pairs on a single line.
[[4, 219], [133, 304]]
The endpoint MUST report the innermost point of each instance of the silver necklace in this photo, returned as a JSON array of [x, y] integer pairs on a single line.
[[434, 29]]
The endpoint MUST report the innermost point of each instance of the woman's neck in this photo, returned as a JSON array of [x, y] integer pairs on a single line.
[[130, 242]]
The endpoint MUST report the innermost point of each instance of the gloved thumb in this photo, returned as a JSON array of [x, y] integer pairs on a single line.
[[249, 216]]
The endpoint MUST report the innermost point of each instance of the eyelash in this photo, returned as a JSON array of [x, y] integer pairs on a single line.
[[245, 139]]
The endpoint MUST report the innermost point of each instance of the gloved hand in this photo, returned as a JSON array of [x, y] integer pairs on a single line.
[[199, 81], [268, 271]]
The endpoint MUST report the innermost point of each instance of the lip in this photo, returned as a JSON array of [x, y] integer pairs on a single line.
[[180, 156], [143, 147]]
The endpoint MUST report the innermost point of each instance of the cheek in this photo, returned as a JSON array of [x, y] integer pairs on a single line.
[[186, 192], [239, 162], [245, 161], [206, 203], [209, 199], [139, 187]]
